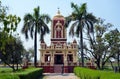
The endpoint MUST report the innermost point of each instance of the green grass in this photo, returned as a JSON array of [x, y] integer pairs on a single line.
[[5, 70], [85, 73]]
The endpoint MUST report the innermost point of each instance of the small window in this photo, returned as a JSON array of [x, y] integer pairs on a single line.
[[47, 58], [70, 58]]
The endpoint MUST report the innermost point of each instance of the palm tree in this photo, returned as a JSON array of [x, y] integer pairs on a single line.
[[81, 19], [35, 23]]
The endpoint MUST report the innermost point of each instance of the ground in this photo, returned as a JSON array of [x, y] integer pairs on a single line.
[[60, 76]]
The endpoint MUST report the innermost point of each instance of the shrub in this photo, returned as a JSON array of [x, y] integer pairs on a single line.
[[30, 73], [85, 73]]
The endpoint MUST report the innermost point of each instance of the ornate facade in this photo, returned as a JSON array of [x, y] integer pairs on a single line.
[[59, 56]]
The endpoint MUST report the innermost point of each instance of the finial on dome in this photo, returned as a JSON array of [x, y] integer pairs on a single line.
[[58, 11], [58, 14]]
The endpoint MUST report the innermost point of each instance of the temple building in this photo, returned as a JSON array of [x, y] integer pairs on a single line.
[[59, 56]]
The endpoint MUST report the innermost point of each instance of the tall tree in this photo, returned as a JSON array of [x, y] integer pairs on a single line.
[[35, 23], [98, 47], [113, 40], [81, 19], [10, 23], [8, 45], [10, 54]]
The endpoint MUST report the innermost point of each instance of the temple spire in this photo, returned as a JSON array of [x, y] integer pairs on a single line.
[[58, 11]]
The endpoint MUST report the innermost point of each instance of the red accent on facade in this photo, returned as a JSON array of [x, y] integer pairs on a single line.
[[55, 28], [59, 39], [52, 69]]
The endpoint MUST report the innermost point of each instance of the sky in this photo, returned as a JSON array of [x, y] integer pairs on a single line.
[[106, 9]]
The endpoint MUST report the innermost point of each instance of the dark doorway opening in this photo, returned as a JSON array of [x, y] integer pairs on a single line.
[[58, 59]]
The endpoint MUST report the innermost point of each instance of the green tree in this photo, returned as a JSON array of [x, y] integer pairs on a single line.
[[10, 23], [11, 54], [9, 46], [81, 19], [35, 23], [7, 41], [113, 40], [3, 12], [98, 47], [28, 54]]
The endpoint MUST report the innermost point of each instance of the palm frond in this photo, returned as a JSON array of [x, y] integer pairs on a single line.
[[32, 30], [71, 32], [28, 22], [91, 17], [46, 28], [42, 29], [68, 20], [25, 31], [75, 7], [74, 16], [36, 12], [26, 34], [27, 17], [87, 27], [83, 9], [78, 29], [90, 27], [46, 18]]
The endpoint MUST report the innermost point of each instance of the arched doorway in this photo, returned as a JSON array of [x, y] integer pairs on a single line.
[[58, 59], [58, 63]]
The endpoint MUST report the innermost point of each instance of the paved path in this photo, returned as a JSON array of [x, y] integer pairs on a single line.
[[60, 76]]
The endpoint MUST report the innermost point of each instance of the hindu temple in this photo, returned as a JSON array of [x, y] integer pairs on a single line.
[[59, 56]]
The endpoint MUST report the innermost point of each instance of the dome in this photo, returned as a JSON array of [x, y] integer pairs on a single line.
[[58, 15]]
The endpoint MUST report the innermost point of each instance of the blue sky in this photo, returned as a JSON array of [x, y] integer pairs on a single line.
[[106, 9]]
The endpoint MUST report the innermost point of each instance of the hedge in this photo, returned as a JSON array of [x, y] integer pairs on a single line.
[[8, 76], [30, 73], [84, 73], [33, 73]]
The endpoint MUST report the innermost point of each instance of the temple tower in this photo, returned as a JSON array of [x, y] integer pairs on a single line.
[[58, 31]]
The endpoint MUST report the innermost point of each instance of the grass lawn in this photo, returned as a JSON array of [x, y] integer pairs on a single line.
[[85, 73], [5, 70]]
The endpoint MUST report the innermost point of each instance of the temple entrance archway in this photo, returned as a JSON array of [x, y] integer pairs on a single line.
[[58, 63], [58, 59]]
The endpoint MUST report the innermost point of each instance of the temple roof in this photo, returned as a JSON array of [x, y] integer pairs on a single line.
[[58, 15]]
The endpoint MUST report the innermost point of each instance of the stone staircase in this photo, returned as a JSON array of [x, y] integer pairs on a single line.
[[58, 68]]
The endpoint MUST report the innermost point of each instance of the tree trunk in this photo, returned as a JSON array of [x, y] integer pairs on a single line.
[[118, 62], [35, 47], [17, 64], [13, 61], [98, 63], [102, 67], [112, 64], [81, 42]]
